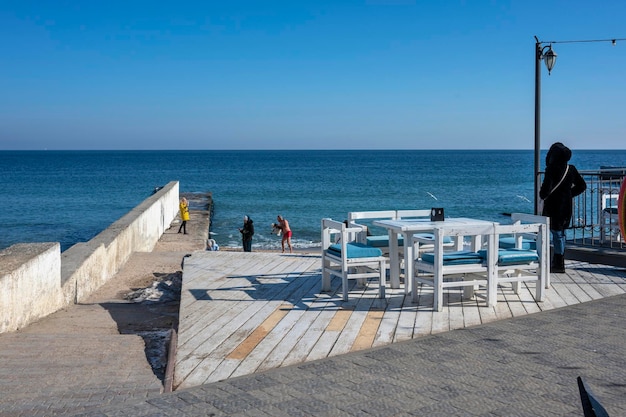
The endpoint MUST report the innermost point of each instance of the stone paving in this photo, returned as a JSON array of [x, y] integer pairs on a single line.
[[525, 366]]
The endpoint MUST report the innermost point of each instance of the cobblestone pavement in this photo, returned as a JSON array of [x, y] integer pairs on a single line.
[[525, 366]]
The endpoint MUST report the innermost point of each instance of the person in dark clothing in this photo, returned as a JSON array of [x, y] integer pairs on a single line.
[[561, 184], [247, 231]]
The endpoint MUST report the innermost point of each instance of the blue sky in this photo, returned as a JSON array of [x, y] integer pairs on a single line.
[[377, 74]]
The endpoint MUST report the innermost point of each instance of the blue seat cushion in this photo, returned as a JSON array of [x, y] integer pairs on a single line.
[[514, 256], [431, 238], [508, 242], [382, 241], [455, 258], [355, 250]]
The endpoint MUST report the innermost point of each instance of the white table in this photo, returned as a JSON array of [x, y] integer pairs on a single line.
[[408, 228]]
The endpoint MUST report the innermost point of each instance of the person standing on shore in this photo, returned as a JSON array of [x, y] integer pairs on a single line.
[[284, 226], [184, 214], [247, 231], [561, 184]]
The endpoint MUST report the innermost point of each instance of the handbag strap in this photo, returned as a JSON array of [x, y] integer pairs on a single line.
[[560, 182]]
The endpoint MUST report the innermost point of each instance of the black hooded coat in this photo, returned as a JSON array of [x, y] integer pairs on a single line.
[[248, 230], [558, 199]]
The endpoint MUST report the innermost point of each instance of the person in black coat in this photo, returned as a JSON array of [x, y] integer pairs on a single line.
[[247, 231], [561, 184]]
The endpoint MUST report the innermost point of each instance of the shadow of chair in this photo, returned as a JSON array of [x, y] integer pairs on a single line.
[[591, 405], [349, 259]]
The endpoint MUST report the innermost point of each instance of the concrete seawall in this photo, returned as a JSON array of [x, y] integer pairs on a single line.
[[37, 280]]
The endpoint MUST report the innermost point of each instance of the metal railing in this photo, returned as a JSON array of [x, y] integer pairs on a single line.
[[595, 219]]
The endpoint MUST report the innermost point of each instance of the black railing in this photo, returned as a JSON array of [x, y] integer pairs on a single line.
[[595, 220]]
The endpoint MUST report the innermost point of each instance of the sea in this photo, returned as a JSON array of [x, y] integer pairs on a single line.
[[71, 196]]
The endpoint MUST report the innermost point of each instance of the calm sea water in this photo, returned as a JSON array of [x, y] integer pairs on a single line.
[[70, 196]]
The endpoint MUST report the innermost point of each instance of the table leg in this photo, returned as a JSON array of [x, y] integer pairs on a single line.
[[408, 262], [394, 260]]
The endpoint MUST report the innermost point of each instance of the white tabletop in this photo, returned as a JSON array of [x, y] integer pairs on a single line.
[[416, 225]]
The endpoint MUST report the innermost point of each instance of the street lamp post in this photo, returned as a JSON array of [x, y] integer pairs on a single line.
[[544, 52], [549, 56]]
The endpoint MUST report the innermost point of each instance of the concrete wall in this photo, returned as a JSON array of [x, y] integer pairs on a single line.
[[57, 280], [30, 283]]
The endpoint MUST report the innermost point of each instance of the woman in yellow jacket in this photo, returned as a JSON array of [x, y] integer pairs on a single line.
[[184, 214]]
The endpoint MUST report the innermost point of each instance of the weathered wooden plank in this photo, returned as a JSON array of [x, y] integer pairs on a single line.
[[597, 281], [248, 319], [526, 294], [513, 301], [424, 312], [502, 310], [581, 277], [441, 320], [406, 319], [212, 278], [572, 282], [224, 299], [302, 319], [561, 287], [228, 324], [353, 325], [614, 275], [228, 298], [389, 322], [455, 308], [553, 299], [471, 315], [367, 332], [310, 338]]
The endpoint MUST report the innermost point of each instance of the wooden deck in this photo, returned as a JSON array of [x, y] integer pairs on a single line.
[[247, 312]]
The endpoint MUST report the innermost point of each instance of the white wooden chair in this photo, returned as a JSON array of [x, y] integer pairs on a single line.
[[363, 219], [523, 265], [349, 259], [441, 269], [529, 241]]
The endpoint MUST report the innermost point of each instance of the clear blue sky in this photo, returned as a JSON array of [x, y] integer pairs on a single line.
[[377, 74]]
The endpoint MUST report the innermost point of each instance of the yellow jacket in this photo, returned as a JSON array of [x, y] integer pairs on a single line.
[[184, 212]]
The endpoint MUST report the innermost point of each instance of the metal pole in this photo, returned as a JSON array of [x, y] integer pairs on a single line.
[[537, 121]]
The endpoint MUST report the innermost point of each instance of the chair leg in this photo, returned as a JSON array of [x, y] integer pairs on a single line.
[[540, 285], [468, 292], [437, 294], [382, 279], [344, 285], [325, 276], [413, 284]]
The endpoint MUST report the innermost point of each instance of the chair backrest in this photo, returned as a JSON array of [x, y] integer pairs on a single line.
[[420, 213], [333, 230], [530, 218], [355, 220], [475, 232], [379, 214], [591, 405], [543, 240]]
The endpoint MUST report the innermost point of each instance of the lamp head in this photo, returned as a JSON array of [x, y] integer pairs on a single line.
[[550, 59]]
